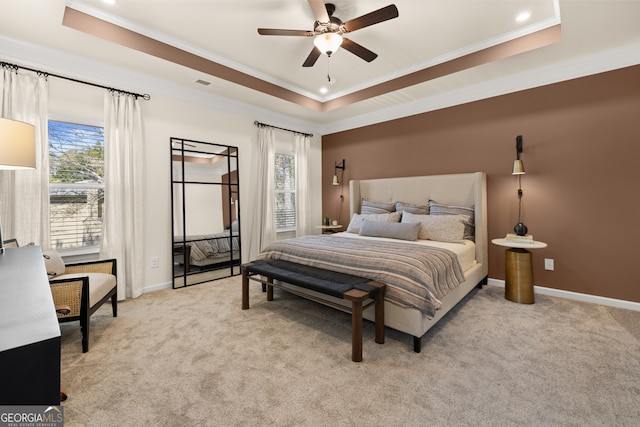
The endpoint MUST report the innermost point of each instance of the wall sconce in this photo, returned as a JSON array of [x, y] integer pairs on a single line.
[[518, 169], [335, 173]]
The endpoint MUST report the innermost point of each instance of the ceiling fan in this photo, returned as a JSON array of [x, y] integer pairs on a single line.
[[328, 31]]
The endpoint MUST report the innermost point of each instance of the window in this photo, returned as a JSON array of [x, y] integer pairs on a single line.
[[76, 184], [285, 183]]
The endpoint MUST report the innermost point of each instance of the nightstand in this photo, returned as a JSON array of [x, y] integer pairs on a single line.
[[329, 229], [518, 285]]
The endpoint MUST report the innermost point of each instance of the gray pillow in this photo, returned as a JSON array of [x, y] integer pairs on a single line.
[[469, 227], [356, 220], [416, 209], [392, 230], [368, 207]]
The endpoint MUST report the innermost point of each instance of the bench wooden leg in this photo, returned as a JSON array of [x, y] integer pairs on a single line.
[[269, 290], [356, 331], [245, 289], [379, 315]]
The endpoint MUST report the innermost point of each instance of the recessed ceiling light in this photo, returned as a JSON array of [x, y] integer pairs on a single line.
[[109, 1], [523, 16], [323, 90]]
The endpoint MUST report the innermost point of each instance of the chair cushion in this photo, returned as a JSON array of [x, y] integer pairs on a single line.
[[99, 284]]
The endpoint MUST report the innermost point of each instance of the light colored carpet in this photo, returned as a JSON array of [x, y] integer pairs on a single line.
[[192, 357]]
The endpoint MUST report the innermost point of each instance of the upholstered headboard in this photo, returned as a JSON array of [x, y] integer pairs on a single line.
[[467, 189]]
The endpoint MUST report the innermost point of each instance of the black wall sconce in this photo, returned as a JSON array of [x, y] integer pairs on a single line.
[[518, 169], [335, 173]]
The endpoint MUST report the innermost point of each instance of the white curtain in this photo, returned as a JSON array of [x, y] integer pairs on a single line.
[[303, 201], [124, 191], [263, 230], [24, 194]]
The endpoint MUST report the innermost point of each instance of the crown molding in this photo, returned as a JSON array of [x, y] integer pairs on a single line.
[[620, 57], [55, 61], [78, 67]]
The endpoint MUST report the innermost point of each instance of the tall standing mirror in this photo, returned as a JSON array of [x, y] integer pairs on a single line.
[[205, 198]]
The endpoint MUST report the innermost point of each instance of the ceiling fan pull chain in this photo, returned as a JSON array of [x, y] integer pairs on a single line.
[[329, 69]]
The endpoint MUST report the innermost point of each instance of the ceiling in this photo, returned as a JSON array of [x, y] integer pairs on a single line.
[[435, 54]]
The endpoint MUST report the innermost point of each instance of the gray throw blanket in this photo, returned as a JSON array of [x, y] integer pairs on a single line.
[[416, 275]]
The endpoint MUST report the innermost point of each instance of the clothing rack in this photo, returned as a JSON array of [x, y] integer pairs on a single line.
[[146, 97], [257, 123]]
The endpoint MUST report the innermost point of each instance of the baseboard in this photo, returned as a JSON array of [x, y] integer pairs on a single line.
[[611, 302], [157, 287]]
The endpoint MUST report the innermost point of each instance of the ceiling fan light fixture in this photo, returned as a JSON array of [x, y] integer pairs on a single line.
[[328, 43]]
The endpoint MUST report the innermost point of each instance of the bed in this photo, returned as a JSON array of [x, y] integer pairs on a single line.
[[206, 251], [425, 278]]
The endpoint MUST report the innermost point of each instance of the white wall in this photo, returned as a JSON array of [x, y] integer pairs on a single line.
[[165, 118]]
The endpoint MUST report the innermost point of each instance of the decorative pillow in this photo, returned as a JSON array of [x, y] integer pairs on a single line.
[[470, 227], [53, 263], [356, 220], [392, 230], [416, 209], [442, 228], [368, 207]]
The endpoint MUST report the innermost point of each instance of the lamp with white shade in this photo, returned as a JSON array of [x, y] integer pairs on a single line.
[[17, 149]]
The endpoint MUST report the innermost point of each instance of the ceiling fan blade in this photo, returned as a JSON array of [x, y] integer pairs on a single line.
[[371, 18], [319, 10], [358, 50], [312, 58], [278, 32]]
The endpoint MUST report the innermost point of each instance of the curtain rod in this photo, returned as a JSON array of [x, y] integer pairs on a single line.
[[257, 123], [146, 97]]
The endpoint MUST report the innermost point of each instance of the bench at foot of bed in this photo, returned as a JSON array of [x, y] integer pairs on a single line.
[[359, 291]]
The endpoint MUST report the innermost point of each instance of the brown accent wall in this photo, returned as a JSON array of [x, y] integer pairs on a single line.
[[581, 142]]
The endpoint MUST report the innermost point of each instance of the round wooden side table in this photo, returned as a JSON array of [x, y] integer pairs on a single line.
[[518, 286]]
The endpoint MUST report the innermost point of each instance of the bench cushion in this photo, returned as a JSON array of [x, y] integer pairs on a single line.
[[324, 281]]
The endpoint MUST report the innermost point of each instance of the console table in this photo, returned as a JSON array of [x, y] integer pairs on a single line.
[[29, 331]]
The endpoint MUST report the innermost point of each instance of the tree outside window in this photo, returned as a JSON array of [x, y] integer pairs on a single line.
[[76, 184]]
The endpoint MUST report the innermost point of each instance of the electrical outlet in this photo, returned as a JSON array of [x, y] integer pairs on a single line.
[[548, 264], [155, 262]]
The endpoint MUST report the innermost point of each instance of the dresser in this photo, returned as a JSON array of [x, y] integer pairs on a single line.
[[29, 331]]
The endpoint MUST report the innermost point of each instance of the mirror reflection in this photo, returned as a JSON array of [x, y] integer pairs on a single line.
[[205, 211]]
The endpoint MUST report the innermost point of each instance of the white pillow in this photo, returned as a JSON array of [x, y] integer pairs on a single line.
[[442, 228], [356, 220], [53, 263]]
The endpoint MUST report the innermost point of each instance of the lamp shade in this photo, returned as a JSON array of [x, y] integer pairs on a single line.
[[328, 43], [17, 145], [335, 180], [518, 167]]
